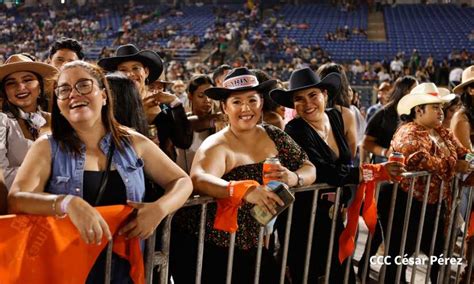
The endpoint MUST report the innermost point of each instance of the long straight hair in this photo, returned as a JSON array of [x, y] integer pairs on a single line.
[[63, 131]]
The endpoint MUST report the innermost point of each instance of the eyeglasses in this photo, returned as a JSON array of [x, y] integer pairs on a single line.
[[83, 87]]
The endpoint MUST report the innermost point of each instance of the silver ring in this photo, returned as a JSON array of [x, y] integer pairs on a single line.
[[90, 231]]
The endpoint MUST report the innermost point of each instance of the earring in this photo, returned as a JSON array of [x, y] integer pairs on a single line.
[[104, 102]]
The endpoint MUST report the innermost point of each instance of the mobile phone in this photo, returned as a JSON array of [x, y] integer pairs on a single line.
[[263, 216]]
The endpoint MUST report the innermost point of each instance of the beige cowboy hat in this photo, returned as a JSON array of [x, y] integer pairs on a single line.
[[176, 84], [467, 78], [20, 62], [425, 93]]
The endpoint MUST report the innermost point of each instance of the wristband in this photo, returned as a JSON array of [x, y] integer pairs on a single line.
[[65, 203], [53, 207]]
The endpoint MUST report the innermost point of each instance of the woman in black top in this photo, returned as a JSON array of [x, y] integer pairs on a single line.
[[378, 136], [320, 132]]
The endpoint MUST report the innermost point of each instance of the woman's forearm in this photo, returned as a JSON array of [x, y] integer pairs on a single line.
[[34, 203], [208, 184], [177, 194]]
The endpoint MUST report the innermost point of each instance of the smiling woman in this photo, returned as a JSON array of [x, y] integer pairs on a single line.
[[24, 106], [233, 158], [91, 160]]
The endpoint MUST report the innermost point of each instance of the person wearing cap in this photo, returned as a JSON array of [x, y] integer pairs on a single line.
[[163, 109], [383, 96], [91, 160], [320, 132], [377, 138], [229, 166], [23, 85], [426, 146], [462, 125]]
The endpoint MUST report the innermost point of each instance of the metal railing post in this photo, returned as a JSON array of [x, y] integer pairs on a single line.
[[405, 226], [435, 231], [286, 244], [200, 252], [420, 226], [332, 236], [310, 236]]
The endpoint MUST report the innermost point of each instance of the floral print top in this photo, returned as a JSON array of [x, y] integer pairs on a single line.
[[290, 155], [422, 153]]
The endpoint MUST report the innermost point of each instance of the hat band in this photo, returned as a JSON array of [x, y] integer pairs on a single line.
[[240, 82], [433, 94]]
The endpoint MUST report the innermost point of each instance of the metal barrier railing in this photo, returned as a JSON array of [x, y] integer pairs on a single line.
[[161, 258]]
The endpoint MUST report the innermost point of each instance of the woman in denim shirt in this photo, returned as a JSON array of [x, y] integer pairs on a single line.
[[69, 165]]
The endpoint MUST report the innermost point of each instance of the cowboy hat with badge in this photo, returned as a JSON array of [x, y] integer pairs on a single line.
[[238, 80], [130, 52], [467, 79], [304, 79], [425, 93]]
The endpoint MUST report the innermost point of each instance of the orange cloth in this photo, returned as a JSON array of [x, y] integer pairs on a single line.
[[470, 231], [39, 249], [228, 208], [372, 173]]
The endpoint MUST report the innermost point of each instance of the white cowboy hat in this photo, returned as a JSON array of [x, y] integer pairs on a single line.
[[467, 78], [445, 93], [425, 93]]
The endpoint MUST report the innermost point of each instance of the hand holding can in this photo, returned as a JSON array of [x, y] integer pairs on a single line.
[[268, 166], [397, 157]]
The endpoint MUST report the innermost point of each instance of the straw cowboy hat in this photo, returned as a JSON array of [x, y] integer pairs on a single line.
[[177, 83], [130, 52], [304, 79], [467, 78], [425, 93], [20, 62], [238, 80], [445, 93]]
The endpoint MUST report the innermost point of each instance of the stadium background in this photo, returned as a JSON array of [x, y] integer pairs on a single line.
[[430, 38]]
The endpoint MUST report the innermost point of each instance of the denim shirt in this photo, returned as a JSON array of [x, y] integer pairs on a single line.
[[67, 169]]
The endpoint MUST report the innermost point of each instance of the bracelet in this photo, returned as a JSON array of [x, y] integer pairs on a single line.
[[65, 203], [54, 207]]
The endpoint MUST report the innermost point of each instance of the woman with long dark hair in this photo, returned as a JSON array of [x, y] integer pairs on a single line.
[[91, 160], [378, 136], [25, 105]]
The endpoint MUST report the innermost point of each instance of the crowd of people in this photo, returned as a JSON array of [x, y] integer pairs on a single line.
[[76, 135]]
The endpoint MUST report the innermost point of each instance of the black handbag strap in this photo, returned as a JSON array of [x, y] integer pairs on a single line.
[[105, 175]]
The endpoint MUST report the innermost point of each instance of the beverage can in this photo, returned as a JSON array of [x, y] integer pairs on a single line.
[[470, 159], [268, 166], [396, 157]]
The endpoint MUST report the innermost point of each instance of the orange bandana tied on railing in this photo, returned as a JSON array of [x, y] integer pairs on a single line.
[[470, 231], [372, 173], [228, 208], [44, 249]]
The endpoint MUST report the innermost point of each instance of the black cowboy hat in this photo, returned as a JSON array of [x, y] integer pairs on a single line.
[[129, 52], [239, 79], [303, 79]]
